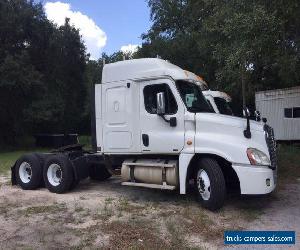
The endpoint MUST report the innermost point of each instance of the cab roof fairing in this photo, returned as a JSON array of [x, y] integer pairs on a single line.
[[144, 68], [220, 94]]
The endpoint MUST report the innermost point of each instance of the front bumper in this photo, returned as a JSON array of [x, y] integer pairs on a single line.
[[255, 179]]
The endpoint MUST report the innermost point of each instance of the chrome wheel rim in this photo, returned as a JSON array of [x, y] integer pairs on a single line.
[[25, 172], [54, 174], [203, 184]]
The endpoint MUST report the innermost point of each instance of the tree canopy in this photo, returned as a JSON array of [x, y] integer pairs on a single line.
[[224, 41], [41, 72], [46, 74]]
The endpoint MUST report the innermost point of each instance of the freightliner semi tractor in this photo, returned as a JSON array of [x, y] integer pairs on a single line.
[[152, 122], [219, 101]]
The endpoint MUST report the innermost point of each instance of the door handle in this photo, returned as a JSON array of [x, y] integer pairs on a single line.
[[145, 139]]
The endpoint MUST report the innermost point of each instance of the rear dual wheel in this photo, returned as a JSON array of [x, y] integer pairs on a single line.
[[58, 174], [55, 171], [28, 170]]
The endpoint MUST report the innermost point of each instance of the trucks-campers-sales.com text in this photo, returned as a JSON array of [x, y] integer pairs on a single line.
[[251, 239], [259, 237]]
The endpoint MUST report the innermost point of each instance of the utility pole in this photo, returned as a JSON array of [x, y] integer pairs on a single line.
[[243, 89]]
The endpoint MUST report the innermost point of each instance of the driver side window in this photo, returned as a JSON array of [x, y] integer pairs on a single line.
[[150, 92]]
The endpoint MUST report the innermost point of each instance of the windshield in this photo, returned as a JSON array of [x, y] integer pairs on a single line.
[[193, 98], [223, 106], [211, 106]]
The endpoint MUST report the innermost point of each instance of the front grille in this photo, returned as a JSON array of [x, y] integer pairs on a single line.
[[271, 143]]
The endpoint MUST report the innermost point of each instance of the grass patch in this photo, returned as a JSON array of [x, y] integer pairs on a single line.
[[9, 154], [6, 207], [196, 221], [134, 235], [125, 206], [88, 237], [86, 140], [177, 233], [250, 214], [288, 163], [250, 209], [7, 159], [106, 212], [58, 207]]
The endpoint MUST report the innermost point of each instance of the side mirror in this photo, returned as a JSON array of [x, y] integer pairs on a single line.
[[246, 112], [257, 115], [160, 103], [247, 132]]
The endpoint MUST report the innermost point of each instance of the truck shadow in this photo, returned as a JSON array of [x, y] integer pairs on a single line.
[[255, 203]]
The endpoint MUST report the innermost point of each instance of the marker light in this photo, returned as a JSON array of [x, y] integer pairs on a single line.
[[189, 142]]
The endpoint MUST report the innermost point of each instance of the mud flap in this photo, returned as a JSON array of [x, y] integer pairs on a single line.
[[80, 168], [13, 175]]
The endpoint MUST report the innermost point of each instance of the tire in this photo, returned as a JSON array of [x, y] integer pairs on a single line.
[[41, 157], [28, 172], [58, 174], [99, 172], [210, 184], [74, 184]]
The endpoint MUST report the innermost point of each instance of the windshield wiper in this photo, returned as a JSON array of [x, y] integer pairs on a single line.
[[197, 110]]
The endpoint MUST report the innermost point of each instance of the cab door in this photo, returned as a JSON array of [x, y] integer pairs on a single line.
[[157, 136], [121, 132]]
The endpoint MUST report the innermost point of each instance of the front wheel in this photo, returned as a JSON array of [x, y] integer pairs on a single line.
[[210, 184]]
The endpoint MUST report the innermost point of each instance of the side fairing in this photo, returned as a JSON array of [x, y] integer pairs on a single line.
[[223, 136], [98, 139]]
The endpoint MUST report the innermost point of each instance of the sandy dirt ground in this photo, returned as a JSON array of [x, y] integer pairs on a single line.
[[106, 215]]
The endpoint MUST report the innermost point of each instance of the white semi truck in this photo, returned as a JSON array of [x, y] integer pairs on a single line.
[[219, 101], [151, 120]]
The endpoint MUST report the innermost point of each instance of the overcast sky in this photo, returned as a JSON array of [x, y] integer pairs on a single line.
[[105, 26]]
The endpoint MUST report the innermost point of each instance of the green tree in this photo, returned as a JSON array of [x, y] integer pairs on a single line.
[[20, 81], [41, 73], [93, 75], [64, 78], [227, 41], [19, 87], [249, 45]]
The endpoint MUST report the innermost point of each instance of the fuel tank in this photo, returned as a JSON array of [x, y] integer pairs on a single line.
[[151, 171]]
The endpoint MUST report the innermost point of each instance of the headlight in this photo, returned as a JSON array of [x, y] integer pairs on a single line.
[[256, 157]]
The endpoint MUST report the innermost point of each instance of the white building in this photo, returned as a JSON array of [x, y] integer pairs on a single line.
[[282, 109]]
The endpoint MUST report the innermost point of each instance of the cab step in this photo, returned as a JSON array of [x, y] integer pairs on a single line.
[[161, 163], [147, 185]]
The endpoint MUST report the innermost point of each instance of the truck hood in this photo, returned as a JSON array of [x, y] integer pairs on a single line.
[[229, 121], [223, 135]]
